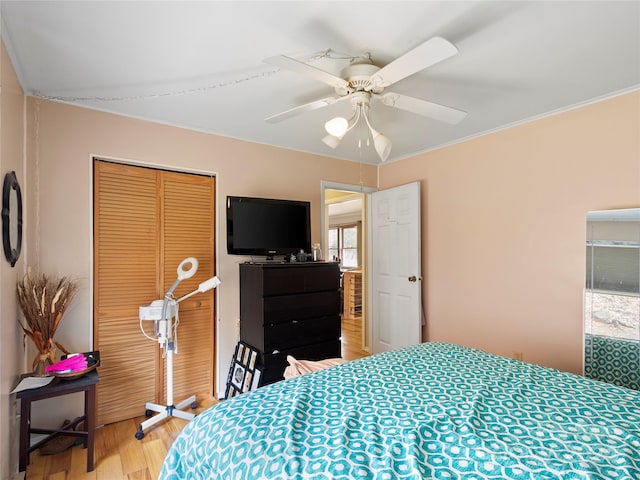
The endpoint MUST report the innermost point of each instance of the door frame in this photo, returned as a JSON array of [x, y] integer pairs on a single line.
[[366, 232], [216, 246]]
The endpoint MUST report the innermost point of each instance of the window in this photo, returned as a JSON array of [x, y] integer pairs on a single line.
[[612, 286], [343, 245], [612, 297]]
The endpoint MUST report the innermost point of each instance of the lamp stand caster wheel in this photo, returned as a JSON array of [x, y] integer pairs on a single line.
[[148, 413], [194, 405], [139, 435]]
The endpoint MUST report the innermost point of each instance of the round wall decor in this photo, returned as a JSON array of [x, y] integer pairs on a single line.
[[11, 218]]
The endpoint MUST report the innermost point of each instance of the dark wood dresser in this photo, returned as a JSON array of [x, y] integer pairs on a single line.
[[290, 309]]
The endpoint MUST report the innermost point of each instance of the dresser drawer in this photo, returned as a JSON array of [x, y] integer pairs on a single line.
[[275, 363], [286, 308], [283, 336], [300, 279]]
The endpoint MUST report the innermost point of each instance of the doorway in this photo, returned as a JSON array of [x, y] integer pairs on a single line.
[[344, 239], [392, 314]]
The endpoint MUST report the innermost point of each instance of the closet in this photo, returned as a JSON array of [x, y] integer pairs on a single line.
[[146, 221]]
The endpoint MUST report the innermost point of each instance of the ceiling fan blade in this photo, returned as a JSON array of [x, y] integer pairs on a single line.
[[436, 111], [296, 66], [425, 55], [307, 107]]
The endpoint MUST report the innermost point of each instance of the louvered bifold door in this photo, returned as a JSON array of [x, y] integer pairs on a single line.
[[146, 222], [126, 258], [188, 221]]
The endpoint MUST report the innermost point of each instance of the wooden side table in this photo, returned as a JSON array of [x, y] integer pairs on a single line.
[[87, 384]]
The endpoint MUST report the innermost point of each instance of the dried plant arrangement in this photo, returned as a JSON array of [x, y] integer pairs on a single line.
[[43, 300]]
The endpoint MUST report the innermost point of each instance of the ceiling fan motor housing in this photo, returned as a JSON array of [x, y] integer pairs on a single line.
[[359, 77]]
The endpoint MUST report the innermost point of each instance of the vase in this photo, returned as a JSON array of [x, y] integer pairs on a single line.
[[40, 364]]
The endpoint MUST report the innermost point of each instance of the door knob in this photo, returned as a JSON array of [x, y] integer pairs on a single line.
[[412, 278]]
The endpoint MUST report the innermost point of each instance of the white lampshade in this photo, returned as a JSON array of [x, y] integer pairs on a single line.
[[331, 140], [382, 145], [337, 127]]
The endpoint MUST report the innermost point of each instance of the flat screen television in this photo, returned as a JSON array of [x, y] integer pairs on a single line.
[[267, 226]]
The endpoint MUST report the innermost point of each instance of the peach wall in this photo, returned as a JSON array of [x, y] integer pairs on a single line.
[[504, 223], [60, 164], [11, 354]]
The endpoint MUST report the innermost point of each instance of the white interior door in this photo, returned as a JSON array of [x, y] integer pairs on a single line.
[[395, 268]]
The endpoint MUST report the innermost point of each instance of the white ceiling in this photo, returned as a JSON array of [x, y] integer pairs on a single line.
[[345, 207], [199, 65]]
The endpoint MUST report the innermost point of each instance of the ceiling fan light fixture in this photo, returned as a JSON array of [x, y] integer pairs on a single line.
[[331, 140], [382, 145], [337, 127]]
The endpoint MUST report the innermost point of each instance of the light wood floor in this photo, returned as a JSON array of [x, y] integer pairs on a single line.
[[352, 339], [118, 455]]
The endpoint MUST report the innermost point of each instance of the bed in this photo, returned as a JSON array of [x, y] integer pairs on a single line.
[[433, 410]]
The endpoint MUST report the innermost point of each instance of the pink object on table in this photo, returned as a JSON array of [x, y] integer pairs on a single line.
[[74, 363]]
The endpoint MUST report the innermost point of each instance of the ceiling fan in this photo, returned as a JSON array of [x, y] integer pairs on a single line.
[[362, 81]]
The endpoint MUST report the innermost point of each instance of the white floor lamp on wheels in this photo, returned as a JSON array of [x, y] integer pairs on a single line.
[[162, 313]]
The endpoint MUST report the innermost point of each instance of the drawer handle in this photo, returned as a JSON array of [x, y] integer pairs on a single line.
[[275, 352]]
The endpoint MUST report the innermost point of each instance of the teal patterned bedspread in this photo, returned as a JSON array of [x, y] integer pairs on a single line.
[[432, 411]]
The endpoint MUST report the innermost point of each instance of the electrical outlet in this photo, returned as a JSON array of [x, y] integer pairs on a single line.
[[517, 355]]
